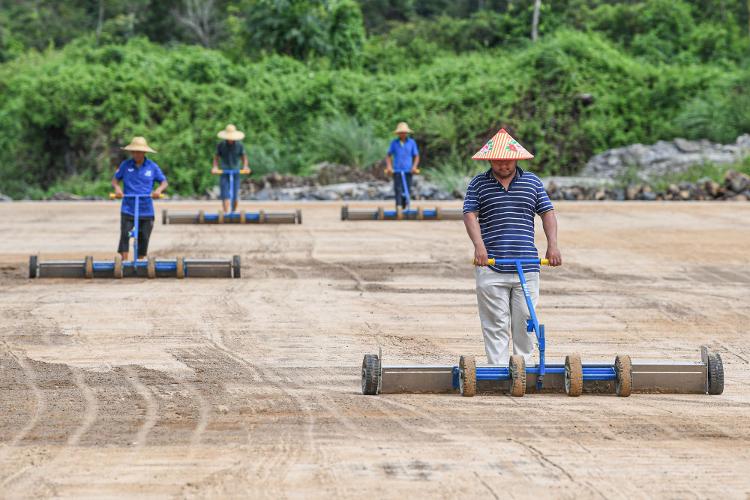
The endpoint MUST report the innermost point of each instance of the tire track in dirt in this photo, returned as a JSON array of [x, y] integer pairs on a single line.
[[38, 478], [278, 381], [322, 400], [151, 406], [359, 283], [40, 401], [273, 467], [91, 410], [204, 417], [40, 407]]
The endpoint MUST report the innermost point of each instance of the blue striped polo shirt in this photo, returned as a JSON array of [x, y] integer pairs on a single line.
[[506, 218]]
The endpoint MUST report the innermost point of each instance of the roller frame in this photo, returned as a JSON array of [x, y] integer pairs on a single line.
[[260, 217], [431, 214], [681, 377], [649, 377], [165, 268]]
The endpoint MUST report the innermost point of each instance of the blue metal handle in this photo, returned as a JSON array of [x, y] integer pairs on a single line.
[[406, 189]]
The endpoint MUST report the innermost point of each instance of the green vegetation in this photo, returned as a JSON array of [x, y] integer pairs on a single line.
[[307, 84], [701, 172]]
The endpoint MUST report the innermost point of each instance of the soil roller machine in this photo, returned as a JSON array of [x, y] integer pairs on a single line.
[[241, 217], [621, 377], [150, 268], [401, 214]]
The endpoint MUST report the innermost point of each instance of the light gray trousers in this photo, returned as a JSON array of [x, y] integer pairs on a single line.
[[502, 308]]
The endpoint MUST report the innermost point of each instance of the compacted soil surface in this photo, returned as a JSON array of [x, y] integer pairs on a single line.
[[251, 387]]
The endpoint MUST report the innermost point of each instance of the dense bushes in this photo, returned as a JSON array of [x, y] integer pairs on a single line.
[[64, 114], [307, 85]]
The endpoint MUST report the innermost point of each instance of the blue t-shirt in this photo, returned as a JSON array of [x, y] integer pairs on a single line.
[[506, 218], [139, 180], [403, 154]]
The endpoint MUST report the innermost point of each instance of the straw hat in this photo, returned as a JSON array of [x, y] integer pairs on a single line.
[[231, 134], [502, 147], [139, 144], [403, 128]]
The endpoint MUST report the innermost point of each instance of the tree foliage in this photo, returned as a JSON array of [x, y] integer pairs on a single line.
[[306, 83]]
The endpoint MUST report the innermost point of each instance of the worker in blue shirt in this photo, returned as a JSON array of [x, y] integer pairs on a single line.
[[402, 159], [229, 153], [138, 175]]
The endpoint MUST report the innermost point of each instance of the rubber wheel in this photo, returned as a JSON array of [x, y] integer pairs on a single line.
[[236, 266], [438, 216], [118, 267], [151, 268], [261, 217], [33, 266], [715, 374], [517, 376], [220, 217], [573, 375], [164, 219], [380, 214], [180, 271], [345, 212], [243, 217], [370, 374], [624, 373], [299, 216], [201, 217], [420, 214], [88, 267], [467, 376], [399, 213]]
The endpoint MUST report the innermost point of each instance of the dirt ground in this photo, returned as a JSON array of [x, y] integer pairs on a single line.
[[251, 387]]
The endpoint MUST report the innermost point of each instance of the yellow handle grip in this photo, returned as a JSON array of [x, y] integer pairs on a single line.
[[491, 262], [385, 171], [113, 196], [220, 171]]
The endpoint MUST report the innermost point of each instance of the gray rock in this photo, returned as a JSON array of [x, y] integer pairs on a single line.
[[64, 196], [4, 197], [649, 162]]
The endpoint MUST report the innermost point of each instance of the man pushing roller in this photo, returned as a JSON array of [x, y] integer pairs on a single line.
[[229, 153], [402, 161], [499, 210], [138, 174]]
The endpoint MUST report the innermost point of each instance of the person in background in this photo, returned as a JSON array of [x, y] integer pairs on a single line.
[[138, 175], [230, 153], [402, 160]]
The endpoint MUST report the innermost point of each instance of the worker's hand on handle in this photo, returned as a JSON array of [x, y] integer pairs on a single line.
[[480, 256], [388, 170], [117, 194], [554, 256], [415, 170], [215, 170], [157, 195], [245, 171]]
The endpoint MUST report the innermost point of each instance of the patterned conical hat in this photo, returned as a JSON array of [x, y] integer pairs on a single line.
[[502, 147]]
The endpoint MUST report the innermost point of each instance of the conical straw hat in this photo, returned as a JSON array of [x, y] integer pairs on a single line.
[[403, 128], [502, 147], [139, 144], [230, 133]]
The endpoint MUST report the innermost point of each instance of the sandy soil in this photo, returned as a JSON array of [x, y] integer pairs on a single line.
[[250, 388]]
